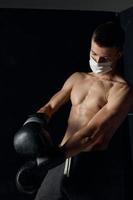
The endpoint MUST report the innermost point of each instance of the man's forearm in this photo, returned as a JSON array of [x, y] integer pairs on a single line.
[[47, 110]]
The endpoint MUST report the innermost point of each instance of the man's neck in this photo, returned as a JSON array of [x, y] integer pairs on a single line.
[[107, 76]]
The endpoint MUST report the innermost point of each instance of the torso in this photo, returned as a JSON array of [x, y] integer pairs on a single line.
[[89, 94]]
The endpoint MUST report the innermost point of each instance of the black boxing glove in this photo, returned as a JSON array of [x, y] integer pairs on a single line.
[[31, 175], [28, 178], [41, 118], [33, 140]]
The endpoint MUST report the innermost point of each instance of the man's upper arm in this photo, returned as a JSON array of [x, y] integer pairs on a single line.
[[61, 97], [120, 99]]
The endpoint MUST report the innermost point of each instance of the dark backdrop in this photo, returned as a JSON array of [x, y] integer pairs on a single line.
[[39, 49], [126, 20]]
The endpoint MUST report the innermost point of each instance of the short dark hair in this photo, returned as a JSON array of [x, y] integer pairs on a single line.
[[109, 34]]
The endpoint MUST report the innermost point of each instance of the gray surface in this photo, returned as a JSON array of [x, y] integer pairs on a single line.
[[68, 4]]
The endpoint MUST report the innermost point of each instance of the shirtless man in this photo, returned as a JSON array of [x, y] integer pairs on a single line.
[[100, 100]]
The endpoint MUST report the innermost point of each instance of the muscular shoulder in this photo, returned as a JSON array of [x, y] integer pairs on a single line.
[[120, 85], [72, 79], [120, 94], [76, 77]]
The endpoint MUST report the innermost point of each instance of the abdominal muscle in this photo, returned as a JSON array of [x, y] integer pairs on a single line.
[[78, 118]]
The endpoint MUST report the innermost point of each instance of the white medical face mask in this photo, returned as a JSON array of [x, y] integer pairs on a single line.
[[100, 67]]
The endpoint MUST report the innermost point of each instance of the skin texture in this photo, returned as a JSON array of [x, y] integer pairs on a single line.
[[99, 104]]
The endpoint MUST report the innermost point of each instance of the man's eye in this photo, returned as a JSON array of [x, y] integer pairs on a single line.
[[107, 59], [93, 53]]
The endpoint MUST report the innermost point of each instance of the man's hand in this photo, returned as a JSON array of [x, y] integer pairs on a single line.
[[96, 143]]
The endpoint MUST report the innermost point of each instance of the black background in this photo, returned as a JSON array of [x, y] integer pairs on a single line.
[[39, 49]]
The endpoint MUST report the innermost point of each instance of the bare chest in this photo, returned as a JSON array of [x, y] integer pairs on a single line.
[[89, 94]]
